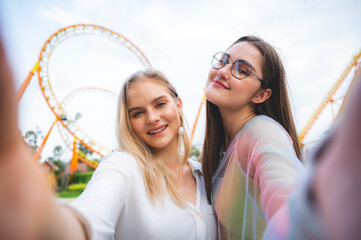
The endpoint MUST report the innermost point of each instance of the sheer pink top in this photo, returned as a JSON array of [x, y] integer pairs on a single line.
[[254, 179]]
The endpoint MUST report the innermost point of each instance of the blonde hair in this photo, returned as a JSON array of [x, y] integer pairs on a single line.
[[156, 176]]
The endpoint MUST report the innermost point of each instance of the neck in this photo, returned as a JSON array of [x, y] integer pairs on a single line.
[[170, 157], [233, 121]]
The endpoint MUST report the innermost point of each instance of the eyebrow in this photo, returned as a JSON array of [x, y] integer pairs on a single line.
[[154, 100]]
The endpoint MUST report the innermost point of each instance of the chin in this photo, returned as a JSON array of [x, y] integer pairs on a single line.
[[212, 97], [158, 145]]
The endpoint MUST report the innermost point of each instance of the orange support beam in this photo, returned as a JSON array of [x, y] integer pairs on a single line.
[[352, 85], [74, 160], [199, 112], [25, 84], [37, 154], [327, 99]]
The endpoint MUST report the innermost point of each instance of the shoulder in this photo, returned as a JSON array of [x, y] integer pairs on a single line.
[[265, 127], [118, 155], [262, 122], [263, 134], [118, 160]]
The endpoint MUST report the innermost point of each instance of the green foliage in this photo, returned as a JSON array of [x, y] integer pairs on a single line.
[[68, 194], [83, 177], [77, 187], [31, 138], [56, 159], [58, 163], [58, 151], [84, 149], [73, 191], [63, 181], [195, 154]]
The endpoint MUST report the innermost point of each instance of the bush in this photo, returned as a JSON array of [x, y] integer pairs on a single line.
[[83, 177], [73, 191], [77, 187], [68, 194]]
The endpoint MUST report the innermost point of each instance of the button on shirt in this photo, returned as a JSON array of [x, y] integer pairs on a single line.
[[116, 205]]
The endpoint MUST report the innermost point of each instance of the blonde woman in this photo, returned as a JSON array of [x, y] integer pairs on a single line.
[[148, 189]]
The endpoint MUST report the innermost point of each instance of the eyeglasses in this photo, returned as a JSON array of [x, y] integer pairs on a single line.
[[240, 68]]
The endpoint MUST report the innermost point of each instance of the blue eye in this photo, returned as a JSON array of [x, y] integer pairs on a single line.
[[136, 114], [161, 104]]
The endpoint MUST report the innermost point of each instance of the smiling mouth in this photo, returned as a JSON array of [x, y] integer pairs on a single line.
[[158, 130], [219, 84]]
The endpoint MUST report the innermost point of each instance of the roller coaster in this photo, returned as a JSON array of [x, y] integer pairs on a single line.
[[351, 69], [61, 117]]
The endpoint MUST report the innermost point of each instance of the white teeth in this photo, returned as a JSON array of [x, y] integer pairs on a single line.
[[157, 131]]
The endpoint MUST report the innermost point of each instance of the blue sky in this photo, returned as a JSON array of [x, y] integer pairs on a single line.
[[316, 40]]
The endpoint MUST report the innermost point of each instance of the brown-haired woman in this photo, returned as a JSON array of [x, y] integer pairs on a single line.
[[250, 153]]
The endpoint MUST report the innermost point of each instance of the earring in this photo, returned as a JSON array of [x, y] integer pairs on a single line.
[[180, 131]]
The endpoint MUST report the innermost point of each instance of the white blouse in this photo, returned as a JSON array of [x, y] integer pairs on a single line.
[[116, 205]]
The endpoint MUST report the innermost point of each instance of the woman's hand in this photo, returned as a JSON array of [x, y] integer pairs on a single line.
[[25, 199]]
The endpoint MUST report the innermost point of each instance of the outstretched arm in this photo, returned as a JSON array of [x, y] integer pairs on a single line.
[[327, 203], [337, 176], [272, 163], [28, 210]]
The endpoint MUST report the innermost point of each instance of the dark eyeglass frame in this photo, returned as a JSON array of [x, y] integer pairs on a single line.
[[228, 59]]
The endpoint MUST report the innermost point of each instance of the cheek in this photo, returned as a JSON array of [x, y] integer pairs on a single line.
[[173, 115], [209, 87], [136, 125], [212, 73]]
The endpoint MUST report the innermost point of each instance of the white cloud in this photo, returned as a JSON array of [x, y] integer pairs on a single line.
[[61, 16]]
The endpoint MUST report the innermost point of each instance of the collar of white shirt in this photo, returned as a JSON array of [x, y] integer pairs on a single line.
[[195, 166]]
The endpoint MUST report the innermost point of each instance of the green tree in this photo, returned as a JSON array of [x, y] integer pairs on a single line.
[[88, 153], [56, 158], [195, 153], [84, 149], [58, 151], [31, 138], [62, 179]]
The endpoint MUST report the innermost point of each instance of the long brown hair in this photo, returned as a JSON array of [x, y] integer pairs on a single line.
[[155, 174], [277, 107]]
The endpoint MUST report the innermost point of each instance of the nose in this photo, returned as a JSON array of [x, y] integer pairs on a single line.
[[153, 116], [225, 71]]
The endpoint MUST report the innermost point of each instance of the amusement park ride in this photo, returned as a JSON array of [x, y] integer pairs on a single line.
[[61, 117], [354, 65], [73, 135]]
